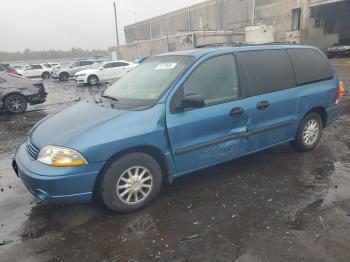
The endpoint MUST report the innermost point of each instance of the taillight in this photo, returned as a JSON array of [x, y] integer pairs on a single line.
[[340, 92]]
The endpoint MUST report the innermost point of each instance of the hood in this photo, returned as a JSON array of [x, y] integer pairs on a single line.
[[86, 71], [61, 127]]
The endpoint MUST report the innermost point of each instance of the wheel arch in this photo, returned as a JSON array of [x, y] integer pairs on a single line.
[[87, 79], [167, 176], [12, 93], [63, 72], [321, 111]]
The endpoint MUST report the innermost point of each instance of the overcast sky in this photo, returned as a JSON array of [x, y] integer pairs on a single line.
[[63, 24]]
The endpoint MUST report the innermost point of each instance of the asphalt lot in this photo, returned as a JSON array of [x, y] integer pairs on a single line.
[[277, 205]]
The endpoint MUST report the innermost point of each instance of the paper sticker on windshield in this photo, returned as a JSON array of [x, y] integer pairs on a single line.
[[166, 66]]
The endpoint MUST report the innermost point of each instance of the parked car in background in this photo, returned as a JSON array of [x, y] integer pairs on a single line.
[[7, 68], [178, 113], [17, 92], [36, 70], [18, 69], [106, 71], [64, 73], [341, 49], [141, 60]]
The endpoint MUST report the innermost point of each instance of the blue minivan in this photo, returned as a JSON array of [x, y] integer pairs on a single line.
[[177, 113]]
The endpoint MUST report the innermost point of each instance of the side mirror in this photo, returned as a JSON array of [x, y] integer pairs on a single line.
[[192, 101]]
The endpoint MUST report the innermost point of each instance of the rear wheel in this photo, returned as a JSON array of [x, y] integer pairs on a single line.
[[309, 133], [45, 75], [15, 104], [92, 80], [130, 182], [63, 76]]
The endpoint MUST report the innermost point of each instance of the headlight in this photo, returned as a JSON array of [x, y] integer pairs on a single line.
[[80, 75], [60, 156]]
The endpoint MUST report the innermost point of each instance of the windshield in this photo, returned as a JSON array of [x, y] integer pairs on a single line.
[[96, 65], [75, 64], [147, 82]]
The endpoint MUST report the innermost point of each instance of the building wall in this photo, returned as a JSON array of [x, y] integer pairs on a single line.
[[133, 51], [174, 31], [207, 16]]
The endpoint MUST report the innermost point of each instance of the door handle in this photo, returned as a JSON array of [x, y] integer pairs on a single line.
[[237, 111], [262, 105]]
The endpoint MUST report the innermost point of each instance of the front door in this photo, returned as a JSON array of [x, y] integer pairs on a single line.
[[215, 132]]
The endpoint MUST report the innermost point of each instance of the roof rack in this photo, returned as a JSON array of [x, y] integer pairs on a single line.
[[235, 44]]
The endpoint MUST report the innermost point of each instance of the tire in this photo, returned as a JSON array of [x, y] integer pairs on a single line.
[[64, 76], [46, 75], [309, 133], [117, 187], [15, 104], [92, 80]]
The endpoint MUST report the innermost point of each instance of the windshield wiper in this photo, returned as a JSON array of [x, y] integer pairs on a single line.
[[110, 97]]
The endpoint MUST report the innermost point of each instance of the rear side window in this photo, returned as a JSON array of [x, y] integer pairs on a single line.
[[267, 71], [215, 80], [310, 66]]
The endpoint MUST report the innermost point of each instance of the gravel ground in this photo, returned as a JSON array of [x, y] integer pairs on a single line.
[[277, 205]]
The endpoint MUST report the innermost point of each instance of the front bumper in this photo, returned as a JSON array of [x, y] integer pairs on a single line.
[[81, 80], [56, 184]]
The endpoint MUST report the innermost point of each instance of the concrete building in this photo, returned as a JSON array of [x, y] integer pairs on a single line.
[[316, 22]]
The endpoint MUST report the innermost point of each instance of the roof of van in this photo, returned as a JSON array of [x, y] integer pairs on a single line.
[[203, 51]]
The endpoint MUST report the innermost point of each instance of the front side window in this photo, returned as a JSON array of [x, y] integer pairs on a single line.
[[120, 64], [214, 80], [36, 67], [85, 63], [108, 65], [147, 82]]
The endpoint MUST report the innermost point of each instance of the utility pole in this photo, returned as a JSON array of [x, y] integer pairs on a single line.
[[253, 13], [116, 22]]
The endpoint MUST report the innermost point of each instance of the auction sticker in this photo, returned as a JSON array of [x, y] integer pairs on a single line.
[[166, 66]]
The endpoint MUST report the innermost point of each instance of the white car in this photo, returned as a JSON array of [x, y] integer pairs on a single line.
[[37, 70], [64, 73], [106, 71]]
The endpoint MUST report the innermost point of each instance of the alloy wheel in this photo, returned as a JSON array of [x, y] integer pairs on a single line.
[[134, 185], [311, 132]]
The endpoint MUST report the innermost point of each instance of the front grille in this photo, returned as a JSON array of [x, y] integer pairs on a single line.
[[32, 150]]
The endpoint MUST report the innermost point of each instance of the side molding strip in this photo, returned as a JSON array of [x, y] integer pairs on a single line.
[[229, 137]]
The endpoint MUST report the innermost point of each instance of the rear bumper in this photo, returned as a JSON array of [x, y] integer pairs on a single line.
[[38, 98], [332, 114], [66, 187]]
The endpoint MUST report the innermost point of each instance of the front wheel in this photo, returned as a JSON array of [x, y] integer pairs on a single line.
[[130, 182], [64, 76], [15, 104], [92, 80], [309, 133]]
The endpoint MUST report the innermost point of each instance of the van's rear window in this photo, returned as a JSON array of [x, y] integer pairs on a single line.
[[310, 65]]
